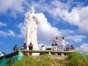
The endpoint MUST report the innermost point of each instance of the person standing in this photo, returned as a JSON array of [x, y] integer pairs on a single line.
[[63, 44], [72, 47], [68, 48], [43, 47], [30, 48], [24, 46], [15, 48], [56, 43], [32, 23]]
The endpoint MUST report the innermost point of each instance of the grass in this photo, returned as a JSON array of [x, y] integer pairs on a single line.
[[74, 59], [45, 60]]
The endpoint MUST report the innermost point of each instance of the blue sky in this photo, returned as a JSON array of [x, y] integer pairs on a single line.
[[68, 18]]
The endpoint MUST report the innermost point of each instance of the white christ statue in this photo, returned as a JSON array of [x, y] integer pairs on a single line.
[[31, 29]]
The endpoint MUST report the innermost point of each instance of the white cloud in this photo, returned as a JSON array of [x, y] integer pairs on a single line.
[[72, 17], [9, 33], [14, 6], [76, 38], [83, 48], [46, 32], [22, 28], [2, 24], [76, 17], [61, 5]]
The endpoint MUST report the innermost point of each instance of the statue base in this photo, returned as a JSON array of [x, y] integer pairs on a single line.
[[35, 54]]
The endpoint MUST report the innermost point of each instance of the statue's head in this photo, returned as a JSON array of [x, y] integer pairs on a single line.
[[31, 10]]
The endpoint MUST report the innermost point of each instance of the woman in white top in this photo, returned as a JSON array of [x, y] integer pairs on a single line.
[[63, 44]]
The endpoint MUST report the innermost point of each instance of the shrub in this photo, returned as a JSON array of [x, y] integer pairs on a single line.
[[77, 59]]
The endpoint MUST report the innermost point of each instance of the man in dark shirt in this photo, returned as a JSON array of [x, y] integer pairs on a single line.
[[30, 48]]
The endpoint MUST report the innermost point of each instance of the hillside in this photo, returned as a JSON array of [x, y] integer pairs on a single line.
[[74, 59]]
